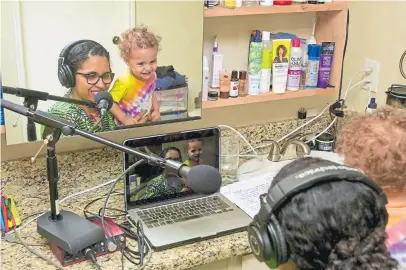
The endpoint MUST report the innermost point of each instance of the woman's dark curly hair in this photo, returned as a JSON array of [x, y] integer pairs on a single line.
[[334, 226]]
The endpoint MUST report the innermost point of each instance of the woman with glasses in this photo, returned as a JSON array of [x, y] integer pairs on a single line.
[[84, 68]]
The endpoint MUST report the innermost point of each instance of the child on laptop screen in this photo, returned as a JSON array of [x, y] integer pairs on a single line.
[[133, 92], [194, 150]]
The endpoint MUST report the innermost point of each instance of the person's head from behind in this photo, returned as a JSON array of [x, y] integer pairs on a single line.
[[194, 149], [90, 65], [139, 49], [334, 225], [377, 146]]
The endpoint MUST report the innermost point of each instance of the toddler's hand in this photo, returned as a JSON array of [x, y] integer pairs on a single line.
[[155, 116], [128, 121], [140, 119]]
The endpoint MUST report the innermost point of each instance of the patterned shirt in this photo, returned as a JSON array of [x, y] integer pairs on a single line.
[[76, 115], [160, 186], [133, 95]]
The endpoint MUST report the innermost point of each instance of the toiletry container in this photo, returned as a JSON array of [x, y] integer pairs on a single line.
[[254, 63], [225, 77], [313, 65], [205, 88], [282, 2], [295, 66], [250, 3], [326, 61], [216, 66], [266, 3], [372, 107], [266, 63], [242, 86], [234, 82]]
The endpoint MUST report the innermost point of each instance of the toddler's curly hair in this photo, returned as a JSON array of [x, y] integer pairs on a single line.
[[377, 145], [140, 37]]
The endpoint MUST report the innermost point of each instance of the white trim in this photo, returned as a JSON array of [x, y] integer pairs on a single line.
[[132, 13], [20, 60]]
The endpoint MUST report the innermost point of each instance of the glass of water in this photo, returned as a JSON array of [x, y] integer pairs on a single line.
[[229, 150]]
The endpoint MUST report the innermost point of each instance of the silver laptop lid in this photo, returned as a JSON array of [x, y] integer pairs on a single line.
[[148, 185]]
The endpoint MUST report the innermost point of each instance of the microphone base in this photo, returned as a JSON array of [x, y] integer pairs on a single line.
[[70, 232]]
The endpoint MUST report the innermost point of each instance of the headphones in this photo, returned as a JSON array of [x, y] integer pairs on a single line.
[[66, 75], [265, 234]]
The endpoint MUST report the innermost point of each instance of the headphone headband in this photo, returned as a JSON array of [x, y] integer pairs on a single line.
[[65, 51], [265, 235]]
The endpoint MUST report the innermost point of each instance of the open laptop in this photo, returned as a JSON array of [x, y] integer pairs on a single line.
[[171, 214]]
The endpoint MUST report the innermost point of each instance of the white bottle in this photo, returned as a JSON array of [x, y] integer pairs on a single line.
[[216, 66], [266, 2], [206, 76], [295, 66], [266, 63]]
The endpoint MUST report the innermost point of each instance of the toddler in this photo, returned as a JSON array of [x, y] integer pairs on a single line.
[[194, 149], [133, 92]]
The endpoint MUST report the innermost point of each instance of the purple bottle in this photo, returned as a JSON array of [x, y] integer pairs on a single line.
[[326, 61]]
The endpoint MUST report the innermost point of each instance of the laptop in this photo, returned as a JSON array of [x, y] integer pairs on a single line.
[[171, 213]]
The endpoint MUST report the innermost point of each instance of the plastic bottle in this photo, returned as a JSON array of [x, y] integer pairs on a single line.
[[206, 76], [313, 65], [216, 66], [295, 66], [266, 3], [254, 63], [266, 63], [282, 2]]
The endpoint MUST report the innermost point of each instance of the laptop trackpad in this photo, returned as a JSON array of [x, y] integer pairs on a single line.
[[200, 228]]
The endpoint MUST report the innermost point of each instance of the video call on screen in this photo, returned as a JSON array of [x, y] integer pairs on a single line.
[[147, 183]]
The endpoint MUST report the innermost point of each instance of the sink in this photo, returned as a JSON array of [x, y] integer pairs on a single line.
[[256, 166]]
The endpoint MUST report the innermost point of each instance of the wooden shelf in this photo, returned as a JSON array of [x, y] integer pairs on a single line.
[[267, 97], [219, 11]]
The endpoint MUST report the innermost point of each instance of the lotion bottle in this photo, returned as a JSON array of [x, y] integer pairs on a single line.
[[295, 66], [216, 66], [206, 76]]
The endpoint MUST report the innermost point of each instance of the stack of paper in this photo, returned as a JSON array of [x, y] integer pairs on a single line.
[[245, 194]]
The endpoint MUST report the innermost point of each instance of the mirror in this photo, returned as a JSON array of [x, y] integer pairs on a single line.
[[151, 92]]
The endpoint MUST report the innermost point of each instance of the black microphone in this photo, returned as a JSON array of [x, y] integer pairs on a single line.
[[27, 93], [104, 101], [202, 179]]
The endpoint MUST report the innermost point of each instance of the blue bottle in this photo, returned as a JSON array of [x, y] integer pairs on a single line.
[[313, 53]]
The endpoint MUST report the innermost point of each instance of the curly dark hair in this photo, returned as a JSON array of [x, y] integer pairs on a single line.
[[377, 145], [283, 47], [334, 226]]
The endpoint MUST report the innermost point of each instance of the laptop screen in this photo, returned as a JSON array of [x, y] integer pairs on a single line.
[[150, 184]]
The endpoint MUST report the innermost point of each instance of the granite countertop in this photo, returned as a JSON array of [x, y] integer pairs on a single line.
[[78, 171], [29, 187]]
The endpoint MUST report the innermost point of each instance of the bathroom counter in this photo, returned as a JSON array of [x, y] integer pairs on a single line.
[[29, 187]]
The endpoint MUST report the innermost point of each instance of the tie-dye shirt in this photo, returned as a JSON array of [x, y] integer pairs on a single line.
[[133, 95]]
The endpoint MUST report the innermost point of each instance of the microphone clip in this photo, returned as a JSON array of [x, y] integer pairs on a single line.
[[337, 108]]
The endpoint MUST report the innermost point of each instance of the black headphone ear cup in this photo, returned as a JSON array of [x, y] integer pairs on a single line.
[[278, 243], [259, 242], [66, 77]]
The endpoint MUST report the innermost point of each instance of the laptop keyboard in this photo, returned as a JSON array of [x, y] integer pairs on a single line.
[[178, 212]]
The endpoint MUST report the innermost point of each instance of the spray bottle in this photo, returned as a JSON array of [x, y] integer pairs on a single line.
[[216, 66]]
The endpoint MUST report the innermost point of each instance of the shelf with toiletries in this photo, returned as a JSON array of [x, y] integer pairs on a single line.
[[219, 11], [280, 65], [270, 96]]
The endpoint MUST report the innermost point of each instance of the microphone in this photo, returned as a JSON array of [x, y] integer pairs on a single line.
[[38, 95], [202, 179], [104, 101]]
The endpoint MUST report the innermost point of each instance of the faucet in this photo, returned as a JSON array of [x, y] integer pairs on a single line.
[[292, 149]]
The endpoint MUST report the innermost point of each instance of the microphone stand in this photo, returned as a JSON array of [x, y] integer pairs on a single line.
[[64, 228], [31, 98]]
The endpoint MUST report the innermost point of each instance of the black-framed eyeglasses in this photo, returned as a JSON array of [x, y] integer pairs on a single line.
[[93, 78]]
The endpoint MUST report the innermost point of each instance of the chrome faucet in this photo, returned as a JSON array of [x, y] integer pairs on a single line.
[[292, 149]]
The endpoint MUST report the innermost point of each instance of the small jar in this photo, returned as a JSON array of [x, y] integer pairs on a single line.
[[229, 3], [212, 95], [250, 3]]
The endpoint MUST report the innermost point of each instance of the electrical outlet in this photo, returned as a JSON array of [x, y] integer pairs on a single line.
[[373, 78]]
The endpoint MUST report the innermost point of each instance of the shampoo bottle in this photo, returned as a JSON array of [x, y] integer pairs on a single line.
[[254, 63], [326, 61], [295, 66], [206, 75], [266, 63], [216, 66]]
